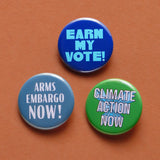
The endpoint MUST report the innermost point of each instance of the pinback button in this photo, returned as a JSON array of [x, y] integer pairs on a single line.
[[85, 45], [113, 106], [46, 101]]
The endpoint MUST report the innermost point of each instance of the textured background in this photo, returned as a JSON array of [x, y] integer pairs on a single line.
[[29, 33]]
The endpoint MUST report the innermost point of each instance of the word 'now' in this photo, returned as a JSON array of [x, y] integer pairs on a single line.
[[111, 121], [44, 111]]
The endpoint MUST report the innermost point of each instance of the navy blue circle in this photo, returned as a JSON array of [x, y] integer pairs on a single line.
[[46, 101], [85, 45]]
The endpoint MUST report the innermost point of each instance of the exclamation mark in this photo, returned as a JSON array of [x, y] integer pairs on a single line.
[[59, 110], [103, 55]]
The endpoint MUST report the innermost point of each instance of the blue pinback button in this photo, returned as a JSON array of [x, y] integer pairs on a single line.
[[85, 45], [46, 101]]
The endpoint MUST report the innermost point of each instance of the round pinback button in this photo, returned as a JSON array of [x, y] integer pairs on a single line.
[[85, 45], [46, 101], [113, 106]]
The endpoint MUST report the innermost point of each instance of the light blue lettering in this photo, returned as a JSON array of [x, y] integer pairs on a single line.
[[97, 56], [90, 44], [79, 34], [78, 56], [69, 56], [70, 34], [88, 33], [87, 55], [98, 33], [80, 45]]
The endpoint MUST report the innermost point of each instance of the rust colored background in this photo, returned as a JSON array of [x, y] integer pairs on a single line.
[[29, 33]]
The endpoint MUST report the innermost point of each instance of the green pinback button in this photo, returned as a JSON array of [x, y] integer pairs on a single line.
[[113, 106]]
